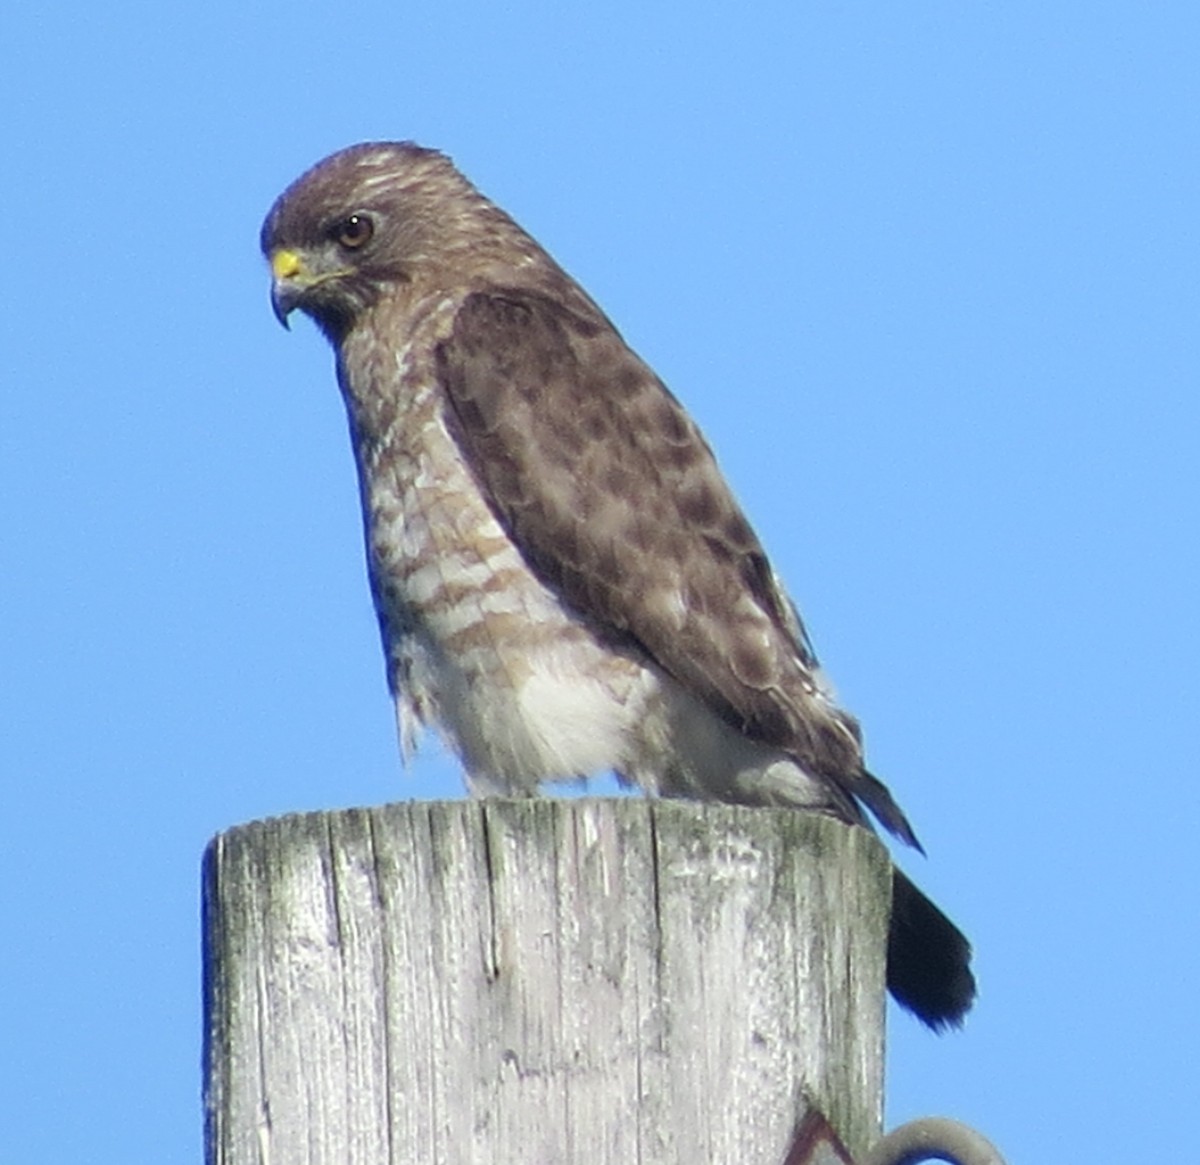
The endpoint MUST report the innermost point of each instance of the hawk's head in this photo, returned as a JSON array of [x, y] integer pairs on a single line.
[[363, 221]]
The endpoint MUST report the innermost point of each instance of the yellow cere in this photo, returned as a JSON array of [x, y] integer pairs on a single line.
[[285, 264]]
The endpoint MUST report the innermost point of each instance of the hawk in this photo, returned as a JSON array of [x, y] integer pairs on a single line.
[[564, 582]]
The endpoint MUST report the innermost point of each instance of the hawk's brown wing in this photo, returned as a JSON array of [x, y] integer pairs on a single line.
[[616, 501]]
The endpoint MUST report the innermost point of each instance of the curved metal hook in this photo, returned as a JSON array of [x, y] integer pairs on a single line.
[[933, 1138]]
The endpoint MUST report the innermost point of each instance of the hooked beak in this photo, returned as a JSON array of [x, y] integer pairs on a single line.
[[283, 303], [289, 280]]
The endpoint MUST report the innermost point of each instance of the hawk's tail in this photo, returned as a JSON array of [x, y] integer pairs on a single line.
[[928, 959]]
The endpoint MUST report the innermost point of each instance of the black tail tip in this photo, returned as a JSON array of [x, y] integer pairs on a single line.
[[928, 959]]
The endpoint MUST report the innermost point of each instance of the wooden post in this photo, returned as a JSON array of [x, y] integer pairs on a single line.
[[549, 982]]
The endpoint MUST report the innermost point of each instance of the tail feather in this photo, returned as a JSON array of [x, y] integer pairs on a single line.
[[928, 959]]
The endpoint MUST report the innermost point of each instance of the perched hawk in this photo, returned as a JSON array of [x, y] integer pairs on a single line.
[[565, 585]]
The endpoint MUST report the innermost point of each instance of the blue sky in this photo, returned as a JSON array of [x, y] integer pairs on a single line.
[[927, 276]]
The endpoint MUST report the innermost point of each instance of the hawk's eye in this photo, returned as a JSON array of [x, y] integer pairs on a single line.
[[355, 231]]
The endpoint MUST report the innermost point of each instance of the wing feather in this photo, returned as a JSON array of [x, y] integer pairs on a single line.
[[616, 501]]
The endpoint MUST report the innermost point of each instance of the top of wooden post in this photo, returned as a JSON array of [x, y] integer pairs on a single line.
[[541, 981]]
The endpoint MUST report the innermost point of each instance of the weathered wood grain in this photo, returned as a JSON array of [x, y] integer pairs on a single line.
[[546, 982]]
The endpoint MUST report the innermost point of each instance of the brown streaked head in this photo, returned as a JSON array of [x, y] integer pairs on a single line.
[[354, 225]]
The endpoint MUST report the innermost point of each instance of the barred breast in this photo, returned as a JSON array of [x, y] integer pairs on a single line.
[[477, 647]]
